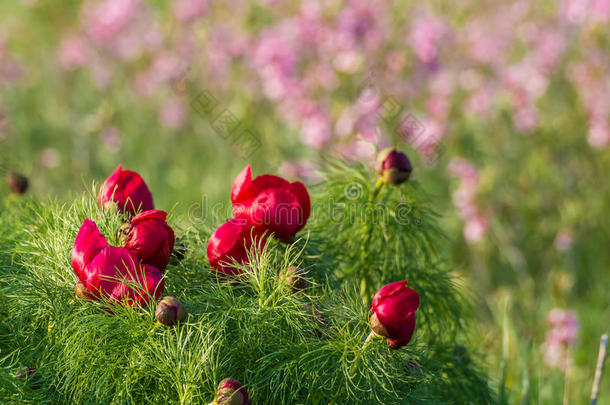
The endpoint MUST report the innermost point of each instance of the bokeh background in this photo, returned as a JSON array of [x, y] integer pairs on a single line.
[[503, 106]]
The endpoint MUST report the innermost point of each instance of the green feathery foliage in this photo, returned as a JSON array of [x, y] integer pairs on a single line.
[[376, 233], [297, 348]]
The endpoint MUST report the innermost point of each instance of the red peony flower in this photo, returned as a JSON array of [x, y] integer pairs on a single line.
[[128, 190], [271, 203], [393, 313], [150, 238], [231, 242], [394, 166], [113, 273]]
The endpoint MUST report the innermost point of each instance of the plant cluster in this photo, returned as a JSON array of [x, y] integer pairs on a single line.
[[288, 319]]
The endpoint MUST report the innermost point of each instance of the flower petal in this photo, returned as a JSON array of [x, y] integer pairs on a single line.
[[88, 243]]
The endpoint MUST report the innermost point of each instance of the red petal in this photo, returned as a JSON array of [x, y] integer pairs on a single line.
[[242, 183], [300, 191], [150, 215], [224, 239], [88, 243], [386, 291], [405, 334], [107, 189]]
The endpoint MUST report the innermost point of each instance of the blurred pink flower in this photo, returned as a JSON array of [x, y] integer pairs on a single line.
[[104, 20], [563, 241], [315, 131], [188, 10], [463, 169], [173, 114], [481, 102], [563, 334], [357, 25], [73, 52], [475, 228], [111, 139], [427, 33], [526, 119], [299, 170], [599, 134], [49, 158]]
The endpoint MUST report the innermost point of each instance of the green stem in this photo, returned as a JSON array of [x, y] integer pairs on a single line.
[[599, 369], [368, 230], [366, 343]]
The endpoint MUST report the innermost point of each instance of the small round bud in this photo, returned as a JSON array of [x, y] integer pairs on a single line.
[[17, 182], [295, 278], [24, 373], [231, 392], [170, 311], [81, 291], [34, 380], [394, 166], [376, 326], [122, 232]]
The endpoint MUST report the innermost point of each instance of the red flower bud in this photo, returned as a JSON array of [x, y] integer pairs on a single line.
[[271, 203], [231, 242], [128, 190], [294, 278], [170, 311], [393, 313], [394, 166], [231, 392], [150, 238], [113, 273], [17, 182]]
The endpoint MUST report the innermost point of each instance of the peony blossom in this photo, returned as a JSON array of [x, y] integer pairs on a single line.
[[112, 273], [128, 190], [392, 313], [271, 203], [150, 238], [230, 243]]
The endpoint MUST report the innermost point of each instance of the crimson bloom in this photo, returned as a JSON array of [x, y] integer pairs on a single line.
[[393, 313], [271, 203], [113, 273], [231, 242], [150, 238], [394, 166], [128, 190]]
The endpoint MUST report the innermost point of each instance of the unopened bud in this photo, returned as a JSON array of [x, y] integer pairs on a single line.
[[122, 232], [376, 326], [170, 311], [295, 278], [17, 182], [231, 392], [394, 166]]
